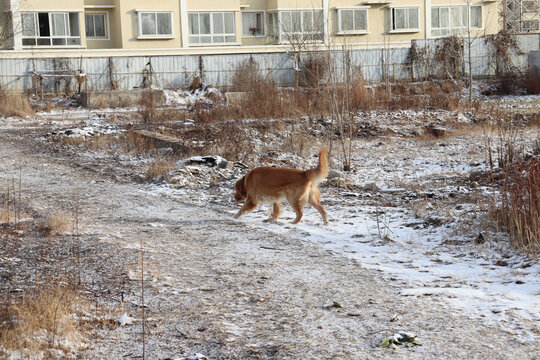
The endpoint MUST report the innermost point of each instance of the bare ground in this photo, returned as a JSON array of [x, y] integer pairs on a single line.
[[220, 287]]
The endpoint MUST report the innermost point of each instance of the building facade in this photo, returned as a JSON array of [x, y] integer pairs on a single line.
[[206, 25]]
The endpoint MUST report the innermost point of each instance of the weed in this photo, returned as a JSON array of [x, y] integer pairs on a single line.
[[14, 105], [519, 209], [159, 167], [56, 223], [40, 321]]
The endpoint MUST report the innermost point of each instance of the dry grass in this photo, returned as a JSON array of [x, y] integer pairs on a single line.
[[519, 209], [72, 140], [14, 105], [40, 322], [159, 167], [57, 223]]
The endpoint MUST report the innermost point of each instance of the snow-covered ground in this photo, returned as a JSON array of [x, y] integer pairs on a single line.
[[409, 227], [407, 212], [409, 209]]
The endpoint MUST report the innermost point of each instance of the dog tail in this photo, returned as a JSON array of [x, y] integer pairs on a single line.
[[321, 171]]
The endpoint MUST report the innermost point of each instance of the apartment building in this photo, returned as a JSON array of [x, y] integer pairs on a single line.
[[220, 24]]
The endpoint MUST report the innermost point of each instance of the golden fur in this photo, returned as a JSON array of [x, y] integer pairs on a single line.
[[273, 185]]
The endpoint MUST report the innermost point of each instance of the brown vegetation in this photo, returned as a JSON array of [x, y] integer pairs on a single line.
[[519, 210], [159, 167], [40, 321], [56, 224], [14, 105]]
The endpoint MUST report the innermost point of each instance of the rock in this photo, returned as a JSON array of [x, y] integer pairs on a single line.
[[337, 182], [214, 95], [437, 131], [333, 174], [125, 320], [480, 239], [372, 187], [210, 161], [226, 165]]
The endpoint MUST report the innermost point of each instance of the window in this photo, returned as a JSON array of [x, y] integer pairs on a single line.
[[50, 29], [476, 17], [273, 25], [351, 21], [155, 24], [454, 20], [405, 19], [252, 23], [95, 25], [297, 25], [530, 25], [212, 27]]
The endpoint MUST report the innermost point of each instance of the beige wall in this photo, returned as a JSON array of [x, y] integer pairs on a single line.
[[213, 5], [295, 4], [112, 30], [36, 5], [127, 17], [124, 33]]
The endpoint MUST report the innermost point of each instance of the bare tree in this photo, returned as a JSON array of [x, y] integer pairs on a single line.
[[300, 29], [10, 24]]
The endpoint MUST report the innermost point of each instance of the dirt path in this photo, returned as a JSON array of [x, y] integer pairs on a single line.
[[229, 290]]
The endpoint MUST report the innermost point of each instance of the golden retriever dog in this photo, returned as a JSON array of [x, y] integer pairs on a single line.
[[273, 185]]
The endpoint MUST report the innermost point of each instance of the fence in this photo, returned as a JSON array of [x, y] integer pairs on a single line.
[[72, 74]]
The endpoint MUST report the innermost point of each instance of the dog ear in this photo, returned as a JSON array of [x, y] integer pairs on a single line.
[[242, 187]]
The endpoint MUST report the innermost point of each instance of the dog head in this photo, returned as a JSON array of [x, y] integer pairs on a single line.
[[241, 193]]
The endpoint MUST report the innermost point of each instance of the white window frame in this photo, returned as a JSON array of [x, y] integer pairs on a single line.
[[451, 29], [407, 29], [263, 21], [481, 17], [282, 35], [154, 36], [341, 31], [68, 39], [273, 25], [106, 25], [212, 33]]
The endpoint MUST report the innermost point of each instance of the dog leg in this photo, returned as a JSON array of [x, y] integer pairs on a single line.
[[298, 209], [276, 211], [315, 201], [249, 205]]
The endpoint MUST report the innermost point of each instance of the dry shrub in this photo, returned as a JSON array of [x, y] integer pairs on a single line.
[[247, 76], [314, 71], [134, 143], [448, 55], [234, 142], [159, 167], [56, 224], [504, 46], [41, 321], [519, 209], [72, 140], [532, 80], [147, 107], [14, 105], [263, 100], [441, 100], [361, 97]]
